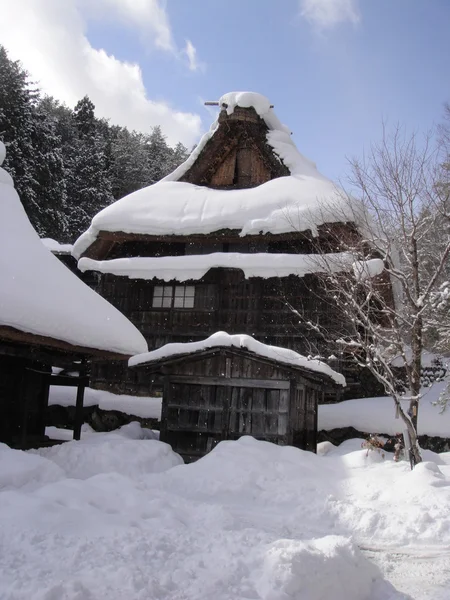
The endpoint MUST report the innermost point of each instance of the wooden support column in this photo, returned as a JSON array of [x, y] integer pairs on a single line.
[[79, 402], [24, 398]]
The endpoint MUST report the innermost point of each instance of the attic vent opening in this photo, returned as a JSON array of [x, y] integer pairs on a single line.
[[243, 168]]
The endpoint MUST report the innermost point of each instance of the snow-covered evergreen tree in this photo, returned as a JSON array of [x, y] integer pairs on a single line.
[[17, 100], [88, 183], [49, 177], [130, 167], [158, 155]]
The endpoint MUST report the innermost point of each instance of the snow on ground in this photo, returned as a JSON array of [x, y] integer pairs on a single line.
[[114, 516], [146, 407], [377, 415]]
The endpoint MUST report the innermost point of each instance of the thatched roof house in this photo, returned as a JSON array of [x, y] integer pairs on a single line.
[[47, 315], [231, 240]]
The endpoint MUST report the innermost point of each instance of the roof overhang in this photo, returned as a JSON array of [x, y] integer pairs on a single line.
[[52, 348]]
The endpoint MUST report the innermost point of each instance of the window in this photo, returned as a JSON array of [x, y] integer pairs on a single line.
[[173, 296]]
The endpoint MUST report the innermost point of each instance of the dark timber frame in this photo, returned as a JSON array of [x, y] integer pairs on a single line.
[[223, 393], [26, 362]]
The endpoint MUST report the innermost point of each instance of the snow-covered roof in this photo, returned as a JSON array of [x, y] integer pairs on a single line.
[[56, 247], [303, 200], [194, 267], [39, 295], [222, 339]]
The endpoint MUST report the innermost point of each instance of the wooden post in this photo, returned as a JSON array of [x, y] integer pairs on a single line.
[[79, 402], [24, 396], [166, 400], [43, 403]]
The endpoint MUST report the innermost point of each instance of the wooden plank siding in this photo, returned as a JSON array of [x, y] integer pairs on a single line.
[[224, 301]]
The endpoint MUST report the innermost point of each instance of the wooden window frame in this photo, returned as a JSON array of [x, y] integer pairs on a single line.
[[176, 297]]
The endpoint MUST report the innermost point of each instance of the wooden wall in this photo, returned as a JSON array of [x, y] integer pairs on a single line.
[[224, 301]]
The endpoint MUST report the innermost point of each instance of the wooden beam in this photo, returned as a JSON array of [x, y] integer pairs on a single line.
[[273, 384], [10, 334]]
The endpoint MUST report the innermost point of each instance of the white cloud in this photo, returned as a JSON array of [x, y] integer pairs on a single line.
[[326, 14], [147, 16], [48, 36], [191, 53]]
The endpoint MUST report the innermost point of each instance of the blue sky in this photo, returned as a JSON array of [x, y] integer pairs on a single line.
[[334, 69]]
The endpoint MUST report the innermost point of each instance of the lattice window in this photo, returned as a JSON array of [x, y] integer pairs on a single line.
[[173, 296]]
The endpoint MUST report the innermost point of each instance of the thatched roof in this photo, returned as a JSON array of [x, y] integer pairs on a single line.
[[245, 176], [42, 303]]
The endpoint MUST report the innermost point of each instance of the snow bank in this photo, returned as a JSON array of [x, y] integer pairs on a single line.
[[319, 569], [132, 430], [115, 452], [123, 519], [194, 267], [377, 415], [39, 295], [22, 470], [146, 407], [303, 200], [222, 339]]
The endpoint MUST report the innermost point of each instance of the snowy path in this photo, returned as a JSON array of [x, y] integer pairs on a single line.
[[423, 574], [115, 516]]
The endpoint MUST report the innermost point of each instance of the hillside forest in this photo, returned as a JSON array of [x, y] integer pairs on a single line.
[[69, 164]]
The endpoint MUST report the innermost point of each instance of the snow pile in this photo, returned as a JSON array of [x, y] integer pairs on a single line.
[[56, 247], [377, 415], [132, 430], [325, 568], [115, 452], [194, 267], [222, 339], [298, 202], [146, 407], [23, 470], [41, 296]]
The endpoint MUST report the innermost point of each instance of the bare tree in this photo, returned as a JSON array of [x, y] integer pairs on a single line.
[[388, 295]]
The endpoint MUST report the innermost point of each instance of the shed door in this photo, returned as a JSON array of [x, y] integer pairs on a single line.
[[259, 412], [193, 419]]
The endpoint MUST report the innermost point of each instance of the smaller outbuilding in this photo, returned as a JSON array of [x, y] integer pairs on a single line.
[[49, 321], [228, 386]]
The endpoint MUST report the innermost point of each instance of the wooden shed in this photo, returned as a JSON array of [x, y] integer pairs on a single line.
[[229, 386]]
